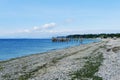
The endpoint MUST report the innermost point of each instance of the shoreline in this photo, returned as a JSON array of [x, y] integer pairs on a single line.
[[48, 51], [48, 65], [28, 67]]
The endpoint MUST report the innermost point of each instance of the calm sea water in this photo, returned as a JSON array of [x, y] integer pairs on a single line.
[[12, 48]]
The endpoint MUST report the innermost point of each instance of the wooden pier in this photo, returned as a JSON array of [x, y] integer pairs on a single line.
[[62, 39]]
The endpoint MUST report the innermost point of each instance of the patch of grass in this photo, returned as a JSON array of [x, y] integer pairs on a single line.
[[103, 46], [28, 75], [32, 72], [97, 78], [6, 76], [89, 69], [55, 60], [1, 68], [24, 67], [25, 76]]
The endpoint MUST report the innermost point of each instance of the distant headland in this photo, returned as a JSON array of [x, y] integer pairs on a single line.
[[81, 36]]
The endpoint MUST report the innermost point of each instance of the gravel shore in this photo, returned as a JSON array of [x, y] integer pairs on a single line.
[[66, 64], [110, 69]]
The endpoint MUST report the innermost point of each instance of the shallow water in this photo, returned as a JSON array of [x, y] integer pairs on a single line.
[[12, 48]]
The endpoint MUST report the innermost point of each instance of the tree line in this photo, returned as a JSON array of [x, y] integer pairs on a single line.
[[112, 35]]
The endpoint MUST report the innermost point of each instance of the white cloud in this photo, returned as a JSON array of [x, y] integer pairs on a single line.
[[44, 28], [36, 28], [23, 31], [49, 25], [26, 30]]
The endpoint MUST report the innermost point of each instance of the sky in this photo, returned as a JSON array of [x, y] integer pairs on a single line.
[[49, 18]]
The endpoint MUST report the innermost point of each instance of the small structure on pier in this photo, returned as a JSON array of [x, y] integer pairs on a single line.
[[60, 39]]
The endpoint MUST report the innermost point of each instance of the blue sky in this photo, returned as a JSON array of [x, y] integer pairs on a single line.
[[47, 18]]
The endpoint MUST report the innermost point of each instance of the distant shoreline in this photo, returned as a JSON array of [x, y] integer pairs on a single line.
[[38, 60]]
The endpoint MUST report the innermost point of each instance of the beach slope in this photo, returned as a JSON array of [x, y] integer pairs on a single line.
[[86, 62]]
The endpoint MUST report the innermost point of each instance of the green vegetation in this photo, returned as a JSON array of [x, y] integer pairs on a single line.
[[1, 68], [28, 75], [25, 77], [89, 69], [55, 60], [24, 67], [6, 76], [94, 35]]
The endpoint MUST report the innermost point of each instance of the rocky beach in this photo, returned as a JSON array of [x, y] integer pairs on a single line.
[[94, 61]]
